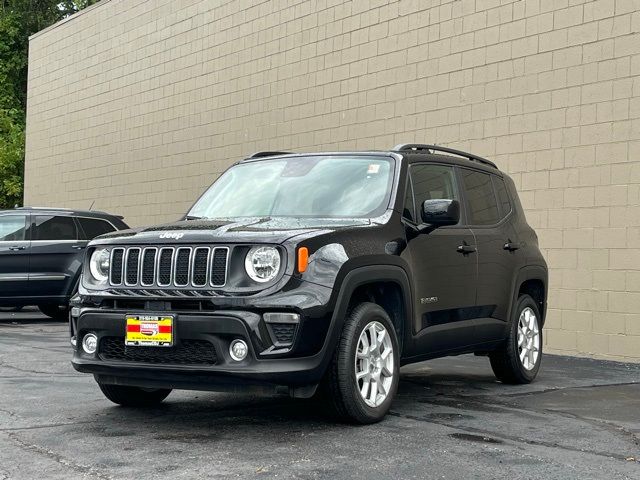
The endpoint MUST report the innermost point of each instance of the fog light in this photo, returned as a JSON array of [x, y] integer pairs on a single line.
[[75, 312], [90, 343], [238, 350]]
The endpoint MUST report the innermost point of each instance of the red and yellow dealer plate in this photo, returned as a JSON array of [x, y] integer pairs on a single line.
[[149, 331]]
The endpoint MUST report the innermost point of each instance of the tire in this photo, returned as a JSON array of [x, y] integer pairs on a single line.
[[56, 312], [11, 309], [59, 312], [506, 361], [341, 385], [134, 396]]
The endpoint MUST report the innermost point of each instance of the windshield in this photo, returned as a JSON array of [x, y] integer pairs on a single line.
[[314, 186]]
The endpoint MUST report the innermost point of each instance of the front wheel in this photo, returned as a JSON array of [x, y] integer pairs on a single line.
[[518, 359], [134, 396], [362, 379]]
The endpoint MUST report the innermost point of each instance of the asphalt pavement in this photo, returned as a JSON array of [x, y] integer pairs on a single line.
[[451, 419]]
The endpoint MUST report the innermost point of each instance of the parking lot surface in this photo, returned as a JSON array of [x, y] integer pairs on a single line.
[[451, 419]]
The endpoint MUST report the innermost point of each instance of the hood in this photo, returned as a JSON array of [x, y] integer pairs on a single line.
[[245, 230]]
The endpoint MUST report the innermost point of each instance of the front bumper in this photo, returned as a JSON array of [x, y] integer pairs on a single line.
[[269, 365]]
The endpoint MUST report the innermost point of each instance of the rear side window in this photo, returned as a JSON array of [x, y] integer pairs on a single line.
[[50, 227], [94, 227], [12, 228], [503, 196], [481, 199]]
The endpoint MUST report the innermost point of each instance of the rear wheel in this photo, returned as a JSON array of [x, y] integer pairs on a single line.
[[518, 360], [362, 379], [134, 396], [57, 312]]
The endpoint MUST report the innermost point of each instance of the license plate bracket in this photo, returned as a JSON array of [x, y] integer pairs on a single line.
[[149, 330]]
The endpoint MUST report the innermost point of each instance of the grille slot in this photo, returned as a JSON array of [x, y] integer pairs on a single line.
[[200, 267], [148, 266], [219, 266], [132, 266], [117, 257], [165, 267], [187, 352], [181, 276], [159, 269]]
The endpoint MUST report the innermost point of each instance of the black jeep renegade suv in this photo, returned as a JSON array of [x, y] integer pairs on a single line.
[[317, 272]]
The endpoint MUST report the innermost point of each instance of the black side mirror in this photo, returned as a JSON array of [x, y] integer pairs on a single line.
[[440, 212]]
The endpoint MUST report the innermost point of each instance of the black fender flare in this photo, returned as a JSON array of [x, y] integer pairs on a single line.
[[360, 276], [530, 272]]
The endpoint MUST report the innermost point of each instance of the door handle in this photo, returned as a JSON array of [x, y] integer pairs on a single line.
[[465, 249], [78, 247], [16, 247], [511, 246]]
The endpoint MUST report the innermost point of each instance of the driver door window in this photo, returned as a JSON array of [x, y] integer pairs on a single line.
[[432, 182]]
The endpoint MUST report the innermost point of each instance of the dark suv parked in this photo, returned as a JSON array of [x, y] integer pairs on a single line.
[[41, 252], [318, 272]]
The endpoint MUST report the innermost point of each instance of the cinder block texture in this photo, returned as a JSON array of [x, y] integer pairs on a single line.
[[139, 104]]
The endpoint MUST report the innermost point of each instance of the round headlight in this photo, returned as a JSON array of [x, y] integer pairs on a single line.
[[262, 263], [99, 265]]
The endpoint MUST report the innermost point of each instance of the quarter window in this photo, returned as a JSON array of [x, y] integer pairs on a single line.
[[481, 199], [94, 227], [409, 211], [48, 227], [12, 228], [503, 196]]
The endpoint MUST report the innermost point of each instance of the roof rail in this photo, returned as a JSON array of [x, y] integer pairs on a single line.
[[268, 154], [417, 147]]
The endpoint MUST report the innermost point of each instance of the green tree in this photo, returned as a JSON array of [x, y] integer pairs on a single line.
[[18, 20]]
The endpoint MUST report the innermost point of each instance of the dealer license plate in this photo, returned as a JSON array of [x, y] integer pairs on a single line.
[[149, 331]]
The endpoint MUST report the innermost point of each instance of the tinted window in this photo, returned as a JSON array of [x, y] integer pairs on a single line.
[[503, 196], [12, 228], [94, 227], [408, 210], [432, 182], [483, 206], [54, 228]]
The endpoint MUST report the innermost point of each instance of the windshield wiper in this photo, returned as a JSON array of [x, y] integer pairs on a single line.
[[192, 217]]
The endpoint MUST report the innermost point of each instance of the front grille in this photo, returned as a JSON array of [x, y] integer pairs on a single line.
[[169, 267], [188, 352]]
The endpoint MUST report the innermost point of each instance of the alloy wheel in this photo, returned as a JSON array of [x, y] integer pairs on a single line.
[[528, 339], [374, 364]]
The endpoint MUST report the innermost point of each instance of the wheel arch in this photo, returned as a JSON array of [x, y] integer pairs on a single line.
[[532, 280], [385, 285]]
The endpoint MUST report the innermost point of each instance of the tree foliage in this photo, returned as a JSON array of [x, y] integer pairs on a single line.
[[18, 20]]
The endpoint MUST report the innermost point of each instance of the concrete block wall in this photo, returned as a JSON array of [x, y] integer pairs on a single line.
[[139, 105]]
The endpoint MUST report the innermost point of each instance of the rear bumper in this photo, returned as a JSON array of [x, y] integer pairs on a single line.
[[267, 366]]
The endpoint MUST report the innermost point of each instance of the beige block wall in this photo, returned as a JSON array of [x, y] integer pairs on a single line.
[[138, 105]]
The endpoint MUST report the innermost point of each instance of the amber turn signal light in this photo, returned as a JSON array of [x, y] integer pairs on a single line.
[[303, 259]]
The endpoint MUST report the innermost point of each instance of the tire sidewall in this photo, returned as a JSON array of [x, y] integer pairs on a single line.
[[525, 301], [365, 314]]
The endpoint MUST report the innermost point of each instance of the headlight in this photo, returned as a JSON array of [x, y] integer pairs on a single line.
[[99, 265], [262, 263]]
